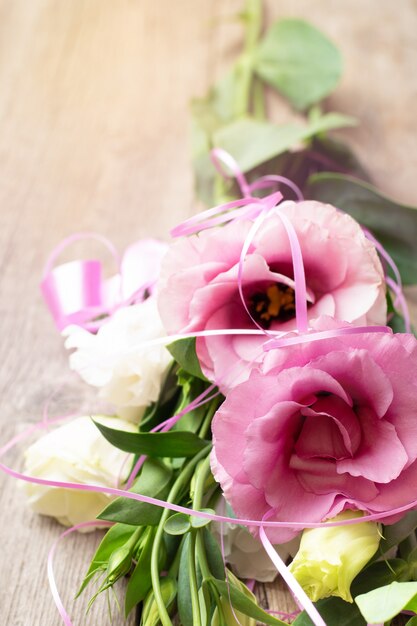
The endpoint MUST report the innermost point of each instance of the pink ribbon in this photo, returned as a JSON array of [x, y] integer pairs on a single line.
[[77, 293]]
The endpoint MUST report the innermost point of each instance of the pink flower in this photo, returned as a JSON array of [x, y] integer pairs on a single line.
[[199, 288], [326, 426]]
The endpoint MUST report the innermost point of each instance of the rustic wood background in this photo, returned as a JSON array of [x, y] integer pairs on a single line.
[[93, 136]]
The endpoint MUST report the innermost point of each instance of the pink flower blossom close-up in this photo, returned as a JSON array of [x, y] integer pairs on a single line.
[[198, 288], [326, 426]]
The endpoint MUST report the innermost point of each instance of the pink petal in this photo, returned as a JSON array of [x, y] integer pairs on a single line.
[[331, 429], [381, 456]]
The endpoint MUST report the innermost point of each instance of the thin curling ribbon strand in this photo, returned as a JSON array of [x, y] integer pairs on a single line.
[[178, 508], [51, 576], [293, 339], [265, 182], [243, 208], [292, 583], [248, 207], [300, 286], [396, 286], [219, 156]]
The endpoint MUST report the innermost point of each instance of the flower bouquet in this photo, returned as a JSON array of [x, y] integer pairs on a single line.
[[261, 370]]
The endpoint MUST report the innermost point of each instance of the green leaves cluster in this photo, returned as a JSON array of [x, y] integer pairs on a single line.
[[294, 60]]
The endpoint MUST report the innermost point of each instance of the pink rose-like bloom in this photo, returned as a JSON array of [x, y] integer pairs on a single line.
[[198, 287], [326, 426]]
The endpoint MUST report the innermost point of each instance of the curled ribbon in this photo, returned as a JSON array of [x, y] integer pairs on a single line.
[[77, 293]]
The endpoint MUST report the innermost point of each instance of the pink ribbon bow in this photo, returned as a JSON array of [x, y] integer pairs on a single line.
[[77, 293]]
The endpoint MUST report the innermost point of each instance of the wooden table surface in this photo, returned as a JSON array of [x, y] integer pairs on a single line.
[[94, 136]]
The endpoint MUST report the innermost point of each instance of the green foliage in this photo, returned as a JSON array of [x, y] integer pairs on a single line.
[[382, 604], [396, 533], [185, 609], [335, 612], [140, 580], [200, 522], [170, 444], [116, 537], [393, 224], [154, 480], [243, 602], [380, 573], [177, 524], [299, 61], [150, 613], [185, 355], [214, 556], [296, 60]]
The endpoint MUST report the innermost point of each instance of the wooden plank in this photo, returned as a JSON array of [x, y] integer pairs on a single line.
[[93, 136]]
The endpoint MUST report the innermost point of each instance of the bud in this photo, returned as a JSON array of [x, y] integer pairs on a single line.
[[230, 616], [330, 558], [120, 563]]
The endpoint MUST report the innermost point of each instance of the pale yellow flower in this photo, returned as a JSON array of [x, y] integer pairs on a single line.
[[330, 558]]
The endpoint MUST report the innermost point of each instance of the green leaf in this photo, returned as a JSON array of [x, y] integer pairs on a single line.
[[252, 142], [115, 538], [380, 573], [177, 524], [412, 621], [184, 353], [185, 609], [140, 580], [384, 603], [396, 533], [330, 121], [335, 155], [176, 444], [164, 407], [154, 480], [299, 61], [393, 224], [335, 612], [150, 613], [243, 603], [205, 603], [200, 522], [214, 555]]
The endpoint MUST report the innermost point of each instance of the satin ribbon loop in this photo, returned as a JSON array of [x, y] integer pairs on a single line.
[[76, 292]]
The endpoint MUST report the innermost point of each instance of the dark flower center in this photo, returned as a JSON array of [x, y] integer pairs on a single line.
[[277, 302]]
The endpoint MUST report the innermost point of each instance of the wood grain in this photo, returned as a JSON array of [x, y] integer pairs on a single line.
[[94, 136]]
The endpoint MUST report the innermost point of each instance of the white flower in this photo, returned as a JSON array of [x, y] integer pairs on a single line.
[[246, 554], [128, 377], [75, 452]]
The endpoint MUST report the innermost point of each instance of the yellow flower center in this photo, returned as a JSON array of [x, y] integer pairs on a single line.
[[276, 303]]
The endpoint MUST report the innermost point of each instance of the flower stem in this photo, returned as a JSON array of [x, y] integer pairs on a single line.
[[192, 575], [252, 15], [185, 475], [205, 426]]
